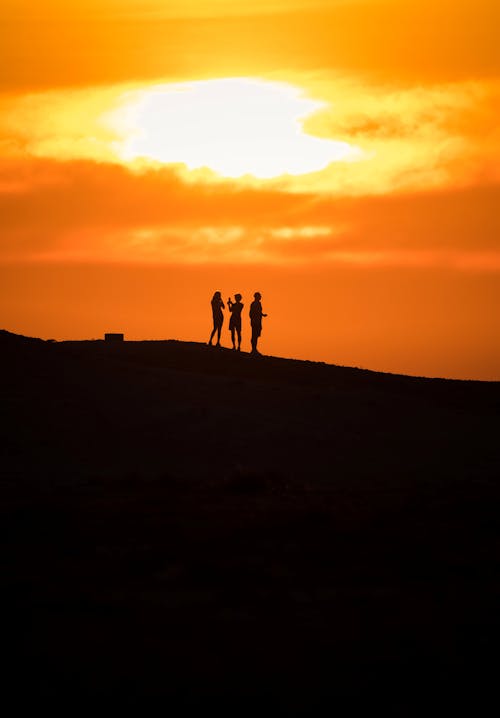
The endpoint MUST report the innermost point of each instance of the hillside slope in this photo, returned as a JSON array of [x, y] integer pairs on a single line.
[[217, 528]]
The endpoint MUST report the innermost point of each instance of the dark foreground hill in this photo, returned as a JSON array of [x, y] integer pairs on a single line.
[[252, 535]]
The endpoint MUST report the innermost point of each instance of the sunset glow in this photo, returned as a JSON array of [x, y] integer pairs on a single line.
[[321, 151], [234, 126]]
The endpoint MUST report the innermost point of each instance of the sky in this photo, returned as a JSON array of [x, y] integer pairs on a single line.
[[341, 157]]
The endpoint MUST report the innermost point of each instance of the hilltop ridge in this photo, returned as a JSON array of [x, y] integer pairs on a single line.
[[186, 354], [154, 391]]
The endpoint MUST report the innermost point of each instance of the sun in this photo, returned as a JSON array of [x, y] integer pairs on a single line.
[[233, 126]]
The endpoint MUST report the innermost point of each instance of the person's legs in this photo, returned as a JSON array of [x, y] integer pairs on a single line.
[[255, 336], [238, 331], [232, 337], [212, 335], [256, 332]]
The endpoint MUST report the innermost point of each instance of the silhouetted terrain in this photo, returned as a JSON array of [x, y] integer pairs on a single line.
[[254, 535]]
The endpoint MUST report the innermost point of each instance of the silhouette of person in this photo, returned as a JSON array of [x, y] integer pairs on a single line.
[[256, 315], [218, 317], [235, 321]]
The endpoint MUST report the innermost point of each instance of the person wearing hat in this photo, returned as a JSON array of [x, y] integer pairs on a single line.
[[256, 315], [235, 320]]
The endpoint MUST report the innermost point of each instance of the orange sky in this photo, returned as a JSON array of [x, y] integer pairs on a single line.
[[340, 157]]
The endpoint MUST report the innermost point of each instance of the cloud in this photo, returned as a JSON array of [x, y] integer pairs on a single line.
[[411, 138], [80, 211], [374, 139]]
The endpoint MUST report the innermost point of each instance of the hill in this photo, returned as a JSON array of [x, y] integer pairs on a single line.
[[249, 533]]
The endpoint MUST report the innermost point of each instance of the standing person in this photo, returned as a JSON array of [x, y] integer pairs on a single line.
[[218, 317], [235, 321], [256, 315]]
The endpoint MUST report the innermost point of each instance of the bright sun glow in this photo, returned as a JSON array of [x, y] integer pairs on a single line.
[[234, 126]]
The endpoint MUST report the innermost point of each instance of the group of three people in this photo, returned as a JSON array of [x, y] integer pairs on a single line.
[[235, 308]]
